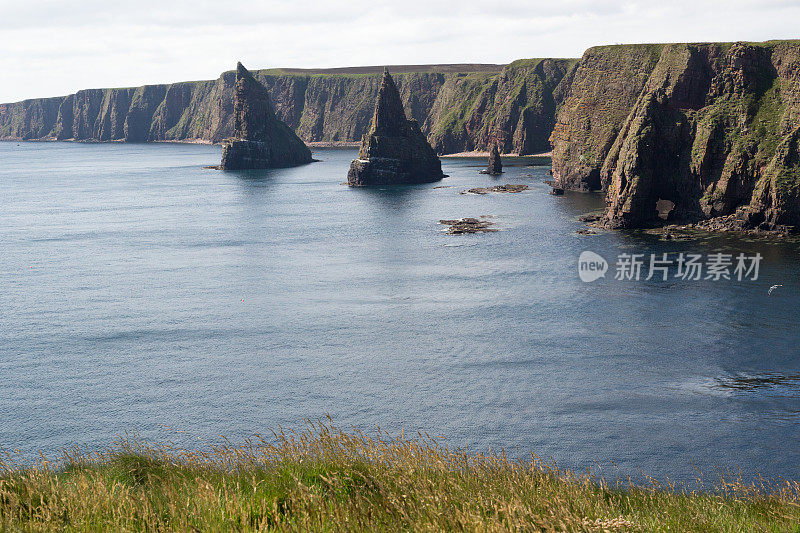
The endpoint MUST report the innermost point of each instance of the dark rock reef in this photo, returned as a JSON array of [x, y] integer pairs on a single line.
[[507, 188], [690, 133], [495, 167], [261, 140], [469, 225], [394, 151]]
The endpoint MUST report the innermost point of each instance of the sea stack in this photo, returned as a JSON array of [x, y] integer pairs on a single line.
[[495, 165], [394, 151], [260, 139]]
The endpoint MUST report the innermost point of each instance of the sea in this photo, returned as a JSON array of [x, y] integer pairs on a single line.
[[141, 293]]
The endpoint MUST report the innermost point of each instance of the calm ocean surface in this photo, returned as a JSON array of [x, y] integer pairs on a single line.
[[140, 292]]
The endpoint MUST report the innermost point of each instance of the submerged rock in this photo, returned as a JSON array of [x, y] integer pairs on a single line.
[[508, 188], [591, 218], [468, 225], [495, 165], [394, 151], [260, 139]]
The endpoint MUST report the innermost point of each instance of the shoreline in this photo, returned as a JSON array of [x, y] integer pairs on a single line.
[[333, 144], [475, 154], [484, 154]]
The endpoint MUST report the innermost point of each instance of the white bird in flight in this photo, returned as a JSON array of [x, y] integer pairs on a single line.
[[769, 292]]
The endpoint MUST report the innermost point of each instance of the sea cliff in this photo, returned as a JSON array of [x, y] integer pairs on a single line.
[[459, 107], [709, 129]]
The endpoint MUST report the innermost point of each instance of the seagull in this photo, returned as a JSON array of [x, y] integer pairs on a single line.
[[769, 292]]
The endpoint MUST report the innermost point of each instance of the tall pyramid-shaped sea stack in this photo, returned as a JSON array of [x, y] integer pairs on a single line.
[[260, 139], [395, 151]]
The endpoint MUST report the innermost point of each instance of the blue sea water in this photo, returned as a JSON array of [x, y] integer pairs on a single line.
[[142, 292]]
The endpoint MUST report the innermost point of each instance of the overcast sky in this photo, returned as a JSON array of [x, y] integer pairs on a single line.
[[56, 47]]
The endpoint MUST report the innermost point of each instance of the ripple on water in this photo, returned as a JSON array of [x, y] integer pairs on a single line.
[[743, 384]]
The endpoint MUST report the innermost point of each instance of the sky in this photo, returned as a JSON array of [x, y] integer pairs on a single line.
[[56, 47]]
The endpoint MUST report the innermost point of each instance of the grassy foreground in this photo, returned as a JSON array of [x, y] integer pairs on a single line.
[[327, 479]]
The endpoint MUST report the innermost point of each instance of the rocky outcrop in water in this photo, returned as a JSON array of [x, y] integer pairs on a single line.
[[710, 128], [260, 139], [507, 188], [394, 151], [459, 107], [495, 167], [469, 225]]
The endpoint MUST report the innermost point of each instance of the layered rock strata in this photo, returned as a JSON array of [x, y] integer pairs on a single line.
[[711, 130], [260, 139], [394, 151]]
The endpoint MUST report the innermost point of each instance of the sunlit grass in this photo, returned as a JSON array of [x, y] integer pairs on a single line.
[[327, 479]]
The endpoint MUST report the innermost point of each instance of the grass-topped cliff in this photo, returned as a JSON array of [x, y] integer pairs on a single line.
[[711, 127], [327, 480], [461, 107]]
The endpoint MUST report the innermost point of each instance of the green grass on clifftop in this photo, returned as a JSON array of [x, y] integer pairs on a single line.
[[329, 480]]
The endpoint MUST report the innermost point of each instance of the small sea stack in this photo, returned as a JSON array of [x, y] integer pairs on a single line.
[[261, 140], [394, 151], [495, 165]]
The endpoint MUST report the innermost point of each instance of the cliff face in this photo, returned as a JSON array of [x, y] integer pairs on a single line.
[[598, 97], [459, 111], [515, 110], [711, 128], [260, 139], [394, 150]]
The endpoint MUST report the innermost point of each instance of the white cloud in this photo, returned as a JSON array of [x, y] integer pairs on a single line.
[[55, 47]]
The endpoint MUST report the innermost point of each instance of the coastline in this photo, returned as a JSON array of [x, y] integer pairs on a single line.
[[333, 144], [484, 154]]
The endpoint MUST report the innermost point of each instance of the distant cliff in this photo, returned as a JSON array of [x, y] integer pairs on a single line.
[[711, 128], [459, 107]]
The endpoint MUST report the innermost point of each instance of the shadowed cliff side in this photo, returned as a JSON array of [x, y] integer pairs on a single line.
[[515, 110], [460, 107], [711, 128], [260, 139], [394, 151]]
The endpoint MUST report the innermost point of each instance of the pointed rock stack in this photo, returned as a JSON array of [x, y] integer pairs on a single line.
[[495, 165], [395, 151], [260, 139]]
